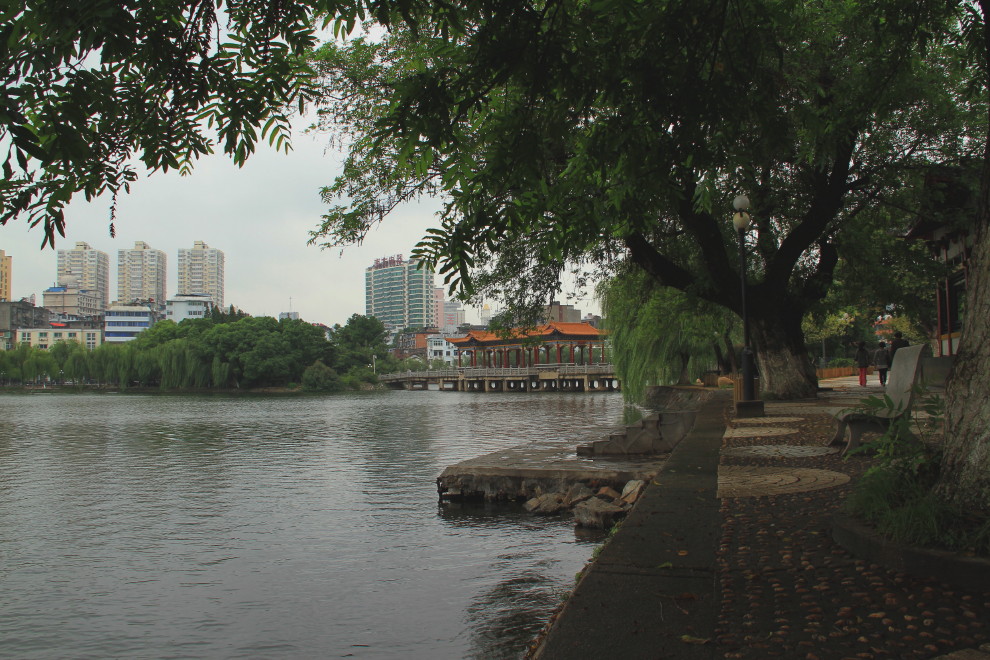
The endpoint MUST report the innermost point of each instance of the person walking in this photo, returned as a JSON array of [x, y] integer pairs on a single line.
[[897, 342], [881, 359], [863, 362]]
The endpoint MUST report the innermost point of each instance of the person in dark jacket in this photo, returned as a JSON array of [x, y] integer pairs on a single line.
[[881, 359], [897, 342]]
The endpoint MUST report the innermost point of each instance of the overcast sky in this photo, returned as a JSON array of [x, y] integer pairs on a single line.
[[259, 216]]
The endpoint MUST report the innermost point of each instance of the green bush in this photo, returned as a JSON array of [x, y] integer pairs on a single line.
[[841, 362], [897, 495], [318, 377]]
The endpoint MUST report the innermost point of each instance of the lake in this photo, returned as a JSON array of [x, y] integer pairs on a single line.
[[137, 525]]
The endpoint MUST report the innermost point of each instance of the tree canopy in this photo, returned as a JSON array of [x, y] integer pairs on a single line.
[[235, 352], [91, 89], [615, 130]]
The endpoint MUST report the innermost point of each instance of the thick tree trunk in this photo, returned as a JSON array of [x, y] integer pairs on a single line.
[[786, 371], [965, 475]]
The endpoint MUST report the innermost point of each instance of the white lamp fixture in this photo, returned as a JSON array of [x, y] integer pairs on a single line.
[[740, 219]]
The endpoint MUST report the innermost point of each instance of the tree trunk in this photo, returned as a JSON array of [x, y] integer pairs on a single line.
[[684, 378], [786, 371], [730, 352], [719, 358], [965, 474]]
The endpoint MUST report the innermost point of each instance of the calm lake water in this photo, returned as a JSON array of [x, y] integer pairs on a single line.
[[159, 526]]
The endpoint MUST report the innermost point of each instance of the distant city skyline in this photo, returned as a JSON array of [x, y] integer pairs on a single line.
[[260, 216]]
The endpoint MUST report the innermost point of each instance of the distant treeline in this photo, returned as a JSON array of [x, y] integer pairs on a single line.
[[226, 351]]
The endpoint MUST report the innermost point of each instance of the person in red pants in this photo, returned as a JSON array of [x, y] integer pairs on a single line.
[[863, 362]]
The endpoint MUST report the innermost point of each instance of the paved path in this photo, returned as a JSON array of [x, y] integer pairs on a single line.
[[730, 555]]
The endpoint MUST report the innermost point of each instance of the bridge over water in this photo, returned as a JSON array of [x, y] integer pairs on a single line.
[[537, 378]]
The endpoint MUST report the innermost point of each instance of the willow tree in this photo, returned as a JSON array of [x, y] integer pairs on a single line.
[[659, 335], [567, 131]]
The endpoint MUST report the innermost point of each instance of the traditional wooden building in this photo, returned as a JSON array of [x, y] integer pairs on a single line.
[[945, 226], [552, 343]]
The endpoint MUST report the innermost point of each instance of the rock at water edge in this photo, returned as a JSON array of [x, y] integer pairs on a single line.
[[632, 490], [597, 513], [578, 493], [546, 504]]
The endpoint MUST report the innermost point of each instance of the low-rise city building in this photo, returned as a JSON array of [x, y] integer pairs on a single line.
[[438, 348], [125, 322], [49, 336], [15, 315], [188, 306], [68, 298]]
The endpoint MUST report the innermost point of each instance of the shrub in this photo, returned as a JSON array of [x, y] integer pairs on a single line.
[[318, 377], [897, 494]]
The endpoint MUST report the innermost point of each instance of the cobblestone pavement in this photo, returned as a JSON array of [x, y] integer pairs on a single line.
[[785, 588]]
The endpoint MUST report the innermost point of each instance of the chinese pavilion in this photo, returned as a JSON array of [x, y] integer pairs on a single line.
[[553, 343]]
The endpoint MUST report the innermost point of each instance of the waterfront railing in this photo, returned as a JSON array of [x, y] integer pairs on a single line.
[[496, 372]]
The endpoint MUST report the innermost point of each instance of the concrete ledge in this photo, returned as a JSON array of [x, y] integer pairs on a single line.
[[650, 593], [972, 573]]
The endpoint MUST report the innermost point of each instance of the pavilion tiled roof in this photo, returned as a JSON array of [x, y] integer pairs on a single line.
[[552, 330]]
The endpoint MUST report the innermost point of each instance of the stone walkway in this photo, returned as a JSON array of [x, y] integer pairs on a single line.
[[730, 555], [786, 589]]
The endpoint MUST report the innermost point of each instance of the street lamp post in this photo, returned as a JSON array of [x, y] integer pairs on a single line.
[[749, 405]]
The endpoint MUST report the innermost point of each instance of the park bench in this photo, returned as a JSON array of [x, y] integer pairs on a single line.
[[904, 373]]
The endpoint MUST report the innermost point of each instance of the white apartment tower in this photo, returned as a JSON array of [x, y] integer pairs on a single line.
[[141, 275], [200, 270], [87, 269]]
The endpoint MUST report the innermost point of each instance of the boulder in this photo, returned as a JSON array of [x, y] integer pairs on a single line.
[[632, 490], [608, 492], [547, 504], [578, 493], [597, 513]]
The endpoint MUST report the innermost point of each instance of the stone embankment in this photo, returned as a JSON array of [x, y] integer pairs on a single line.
[[599, 481], [674, 412], [599, 508]]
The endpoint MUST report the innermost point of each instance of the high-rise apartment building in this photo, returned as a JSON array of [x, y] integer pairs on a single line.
[[453, 316], [438, 311], [141, 275], [200, 270], [399, 293], [5, 268], [87, 269]]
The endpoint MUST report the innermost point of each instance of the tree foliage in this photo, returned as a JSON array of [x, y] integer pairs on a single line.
[[659, 335], [92, 88], [244, 352], [566, 131]]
